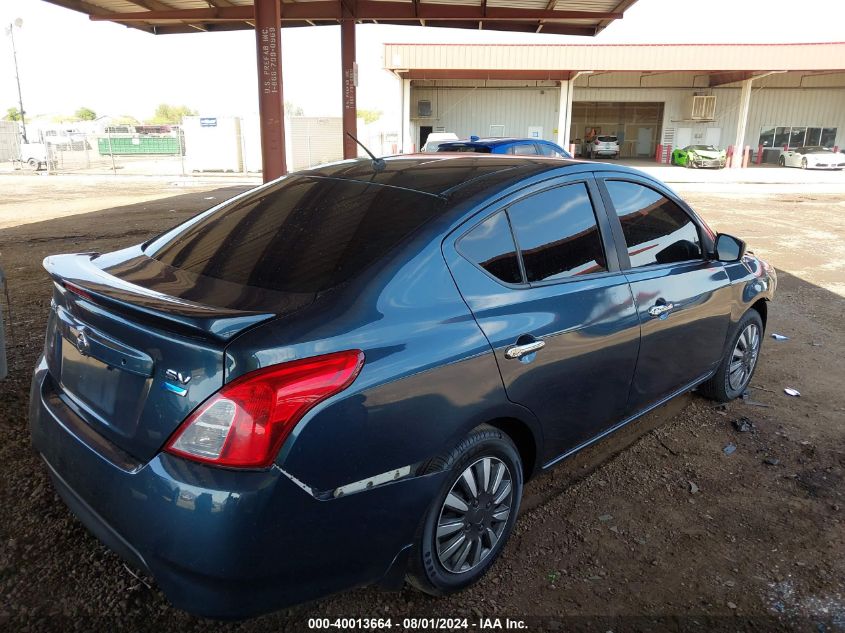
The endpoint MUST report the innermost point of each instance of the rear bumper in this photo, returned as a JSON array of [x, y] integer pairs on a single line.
[[223, 543]]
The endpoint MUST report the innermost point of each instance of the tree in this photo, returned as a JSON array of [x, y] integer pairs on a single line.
[[85, 114], [125, 119], [166, 113], [291, 109], [369, 116], [12, 114]]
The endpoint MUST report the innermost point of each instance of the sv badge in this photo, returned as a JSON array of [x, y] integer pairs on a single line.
[[176, 381], [172, 374]]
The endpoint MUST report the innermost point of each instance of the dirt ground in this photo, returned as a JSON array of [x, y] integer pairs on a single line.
[[656, 529]]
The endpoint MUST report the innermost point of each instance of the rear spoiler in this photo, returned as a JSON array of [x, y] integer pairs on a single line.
[[78, 274]]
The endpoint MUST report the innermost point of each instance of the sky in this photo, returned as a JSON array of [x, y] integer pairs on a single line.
[[66, 61]]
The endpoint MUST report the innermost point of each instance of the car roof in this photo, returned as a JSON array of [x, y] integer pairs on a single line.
[[448, 174], [496, 141]]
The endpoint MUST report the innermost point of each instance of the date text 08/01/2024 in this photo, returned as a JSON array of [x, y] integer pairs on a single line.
[[412, 624]]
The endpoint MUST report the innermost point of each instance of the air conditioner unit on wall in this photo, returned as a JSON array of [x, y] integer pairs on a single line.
[[701, 108], [424, 108]]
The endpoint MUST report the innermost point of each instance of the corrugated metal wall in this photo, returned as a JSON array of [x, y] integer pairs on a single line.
[[314, 141], [811, 108], [10, 138], [468, 111], [472, 110]]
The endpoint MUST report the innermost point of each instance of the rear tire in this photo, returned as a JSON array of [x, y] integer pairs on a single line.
[[463, 533], [803, 163], [739, 361], [34, 165]]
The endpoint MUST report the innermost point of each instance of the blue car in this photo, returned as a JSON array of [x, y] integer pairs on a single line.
[[513, 146], [344, 377]]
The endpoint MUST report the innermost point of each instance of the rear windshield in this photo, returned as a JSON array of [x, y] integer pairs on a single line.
[[461, 147], [607, 139], [304, 234]]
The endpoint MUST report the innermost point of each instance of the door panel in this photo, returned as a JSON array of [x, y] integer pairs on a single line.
[[685, 342], [577, 383], [713, 136], [644, 135], [683, 300], [683, 137]]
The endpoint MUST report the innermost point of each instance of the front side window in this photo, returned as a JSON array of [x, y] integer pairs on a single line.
[[557, 234], [490, 246], [657, 231], [548, 150]]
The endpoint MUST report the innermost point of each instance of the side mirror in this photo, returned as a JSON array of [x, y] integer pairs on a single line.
[[729, 248]]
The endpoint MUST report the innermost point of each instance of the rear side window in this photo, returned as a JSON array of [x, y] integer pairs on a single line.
[[557, 234], [304, 234], [657, 231], [490, 246], [524, 149]]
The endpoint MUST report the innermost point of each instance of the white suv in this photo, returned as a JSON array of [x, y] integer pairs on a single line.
[[602, 146]]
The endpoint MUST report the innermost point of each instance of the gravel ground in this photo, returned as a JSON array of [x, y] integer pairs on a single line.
[[656, 529]]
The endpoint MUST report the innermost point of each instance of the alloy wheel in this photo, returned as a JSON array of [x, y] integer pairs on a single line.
[[744, 357], [474, 515]]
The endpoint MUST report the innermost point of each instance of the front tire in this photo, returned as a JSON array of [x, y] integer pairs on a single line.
[[782, 161], [470, 520], [739, 362], [803, 163]]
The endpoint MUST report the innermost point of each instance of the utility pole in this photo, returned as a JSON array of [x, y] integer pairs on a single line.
[[11, 31]]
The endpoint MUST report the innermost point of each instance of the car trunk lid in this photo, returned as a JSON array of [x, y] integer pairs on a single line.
[[133, 347]]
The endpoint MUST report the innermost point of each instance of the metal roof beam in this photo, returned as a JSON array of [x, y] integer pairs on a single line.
[[92, 10], [365, 10], [151, 5], [720, 79], [470, 73]]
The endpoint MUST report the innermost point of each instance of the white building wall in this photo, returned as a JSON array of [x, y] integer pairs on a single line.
[[795, 107], [473, 110]]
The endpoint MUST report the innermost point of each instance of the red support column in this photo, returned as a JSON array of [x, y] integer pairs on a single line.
[[350, 80], [271, 100]]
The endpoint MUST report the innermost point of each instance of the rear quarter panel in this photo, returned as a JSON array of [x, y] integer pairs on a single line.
[[429, 375]]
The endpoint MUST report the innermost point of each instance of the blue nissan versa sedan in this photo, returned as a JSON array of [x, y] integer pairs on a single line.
[[514, 146], [345, 376]]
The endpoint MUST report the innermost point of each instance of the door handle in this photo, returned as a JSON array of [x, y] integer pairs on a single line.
[[660, 308], [518, 351]]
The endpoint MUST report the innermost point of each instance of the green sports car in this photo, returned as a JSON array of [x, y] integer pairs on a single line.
[[699, 156]]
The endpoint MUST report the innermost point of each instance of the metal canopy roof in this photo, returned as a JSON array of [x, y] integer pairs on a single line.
[[563, 17]]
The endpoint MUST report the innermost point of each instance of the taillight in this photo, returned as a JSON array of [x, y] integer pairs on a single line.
[[597, 142], [81, 292], [245, 423]]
